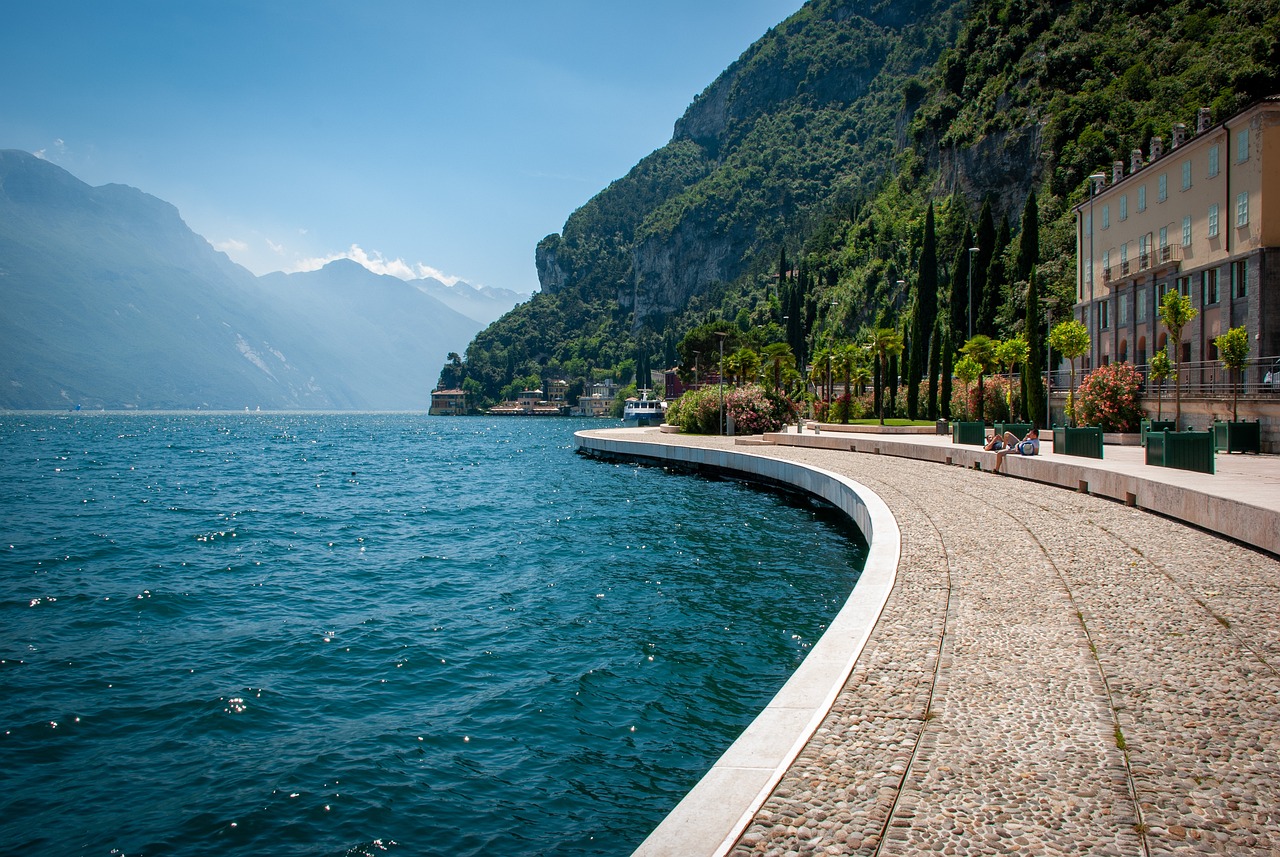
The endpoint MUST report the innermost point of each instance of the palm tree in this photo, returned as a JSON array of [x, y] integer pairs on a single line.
[[885, 341], [779, 358], [981, 349]]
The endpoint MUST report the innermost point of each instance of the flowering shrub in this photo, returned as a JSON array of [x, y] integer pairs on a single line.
[[995, 405], [1111, 398], [756, 411], [847, 409]]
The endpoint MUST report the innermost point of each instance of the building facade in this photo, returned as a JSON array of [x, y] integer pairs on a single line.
[[448, 403], [1193, 216]]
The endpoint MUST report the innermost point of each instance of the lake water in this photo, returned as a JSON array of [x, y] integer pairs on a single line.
[[287, 634]]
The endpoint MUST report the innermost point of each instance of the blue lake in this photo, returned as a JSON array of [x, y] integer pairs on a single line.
[[298, 634]]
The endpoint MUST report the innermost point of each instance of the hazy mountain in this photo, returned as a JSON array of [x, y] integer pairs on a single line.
[[110, 300], [484, 304], [388, 335]]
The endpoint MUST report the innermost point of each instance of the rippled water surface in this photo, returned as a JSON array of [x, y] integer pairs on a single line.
[[366, 634]]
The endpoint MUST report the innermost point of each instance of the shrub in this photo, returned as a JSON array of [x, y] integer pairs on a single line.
[[1111, 398], [697, 411], [756, 411]]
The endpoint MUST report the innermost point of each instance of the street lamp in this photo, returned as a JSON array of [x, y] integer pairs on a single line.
[[696, 355], [972, 250], [721, 337], [1094, 178]]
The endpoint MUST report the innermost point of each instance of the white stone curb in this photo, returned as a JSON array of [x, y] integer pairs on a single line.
[[711, 818]]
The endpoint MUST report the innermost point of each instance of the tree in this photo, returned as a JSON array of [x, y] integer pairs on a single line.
[[967, 371], [981, 349], [780, 360], [935, 357], [1033, 319], [1161, 369], [1071, 339], [923, 322], [1233, 353], [1176, 313], [885, 342], [1012, 352], [985, 241]]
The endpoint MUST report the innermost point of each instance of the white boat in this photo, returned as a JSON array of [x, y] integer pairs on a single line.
[[643, 411]]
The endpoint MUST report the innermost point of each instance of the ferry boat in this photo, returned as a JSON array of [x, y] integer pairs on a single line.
[[643, 411]]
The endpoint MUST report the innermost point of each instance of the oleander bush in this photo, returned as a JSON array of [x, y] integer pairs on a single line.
[[1111, 397], [756, 411]]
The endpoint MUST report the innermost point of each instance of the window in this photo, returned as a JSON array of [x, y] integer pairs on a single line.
[[1186, 231], [1106, 217], [1124, 207], [1104, 315], [1186, 175], [1142, 198], [1161, 291], [1242, 145], [1124, 257], [1184, 286], [1242, 208], [1088, 224], [1122, 309], [1240, 278], [1213, 220], [1140, 307], [1210, 286], [1213, 160], [1164, 237], [1106, 263], [1162, 187]]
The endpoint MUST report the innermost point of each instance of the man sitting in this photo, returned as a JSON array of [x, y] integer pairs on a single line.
[[1002, 446]]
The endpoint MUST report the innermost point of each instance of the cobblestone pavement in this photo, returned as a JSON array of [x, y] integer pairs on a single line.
[[1053, 674]]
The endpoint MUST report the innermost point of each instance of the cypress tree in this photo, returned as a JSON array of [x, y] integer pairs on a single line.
[[925, 315], [935, 349], [985, 241], [1033, 324], [995, 283]]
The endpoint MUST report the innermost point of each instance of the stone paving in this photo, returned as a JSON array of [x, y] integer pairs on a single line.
[[1053, 674]]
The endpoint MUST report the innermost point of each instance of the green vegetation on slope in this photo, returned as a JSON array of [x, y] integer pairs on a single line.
[[828, 140]]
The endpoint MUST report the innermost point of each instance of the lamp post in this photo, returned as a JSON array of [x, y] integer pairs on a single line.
[[972, 250], [1094, 178], [721, 336], [696, 355]]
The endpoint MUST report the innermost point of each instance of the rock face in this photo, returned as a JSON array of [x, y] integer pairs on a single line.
[[760, 149]]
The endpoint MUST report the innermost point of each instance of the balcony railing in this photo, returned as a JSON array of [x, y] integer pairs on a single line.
[[1203, 378]]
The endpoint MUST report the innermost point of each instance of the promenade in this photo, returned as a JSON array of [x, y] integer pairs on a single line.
[[1052, 672]]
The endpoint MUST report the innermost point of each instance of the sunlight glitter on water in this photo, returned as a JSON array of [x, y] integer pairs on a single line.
[[475, 635]]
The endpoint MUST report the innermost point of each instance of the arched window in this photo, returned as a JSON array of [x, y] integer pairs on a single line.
[[1124, 351], [1142, 350]]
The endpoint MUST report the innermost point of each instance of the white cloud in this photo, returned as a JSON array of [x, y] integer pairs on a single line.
[[379, 264], [231, 245], [277, 248]]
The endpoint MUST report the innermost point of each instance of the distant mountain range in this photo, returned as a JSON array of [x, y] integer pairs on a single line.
[[111, 301]]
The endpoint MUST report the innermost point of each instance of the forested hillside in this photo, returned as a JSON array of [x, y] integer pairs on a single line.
[[791, 203]]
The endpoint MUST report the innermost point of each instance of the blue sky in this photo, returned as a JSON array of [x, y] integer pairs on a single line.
[[425, 137]]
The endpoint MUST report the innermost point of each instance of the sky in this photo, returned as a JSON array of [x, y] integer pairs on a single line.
[[421, 138]]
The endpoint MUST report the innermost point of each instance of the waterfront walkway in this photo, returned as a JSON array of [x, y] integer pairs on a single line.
[[1053, 672]]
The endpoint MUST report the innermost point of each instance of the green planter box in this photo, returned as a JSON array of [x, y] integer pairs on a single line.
[[1241, 436], [1155, 425], [1019, 429], [1085, 441], [974, 433], [1185, 450]]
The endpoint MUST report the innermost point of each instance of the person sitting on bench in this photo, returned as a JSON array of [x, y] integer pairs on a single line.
[[1002, 446]]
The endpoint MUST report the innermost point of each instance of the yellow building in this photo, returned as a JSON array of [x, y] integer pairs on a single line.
[[1192, 215]]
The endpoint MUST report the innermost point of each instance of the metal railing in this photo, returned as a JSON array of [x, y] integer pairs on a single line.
[[1207, 378]]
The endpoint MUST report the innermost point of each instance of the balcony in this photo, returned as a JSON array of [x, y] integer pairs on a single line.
[[1168, 254]]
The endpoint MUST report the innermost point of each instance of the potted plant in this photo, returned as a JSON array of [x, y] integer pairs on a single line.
[[1234, 435]]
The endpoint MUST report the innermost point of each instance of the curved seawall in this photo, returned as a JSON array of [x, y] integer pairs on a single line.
[[711, 818]]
